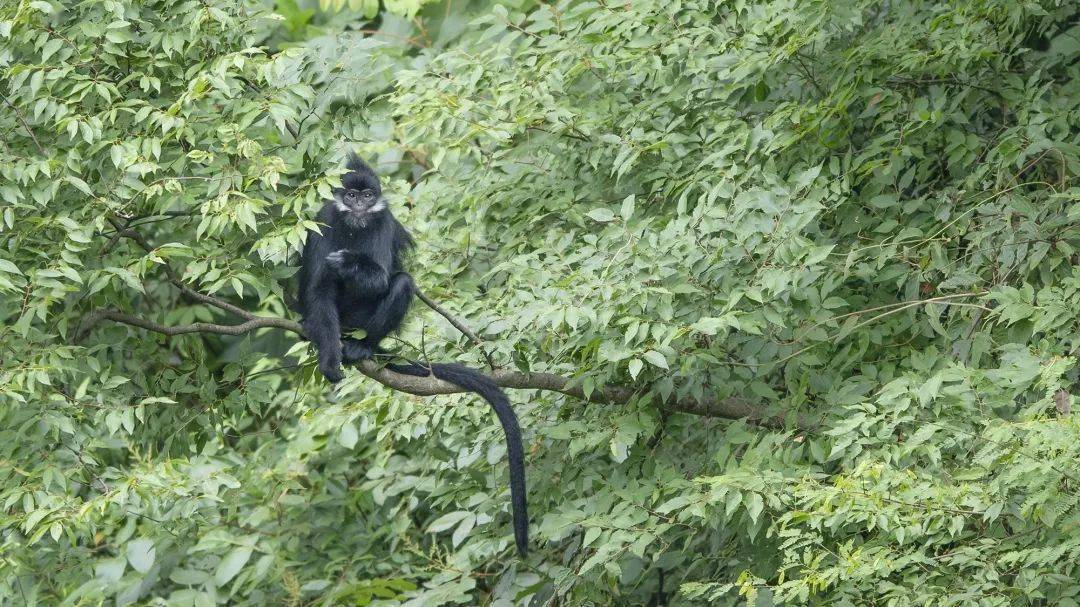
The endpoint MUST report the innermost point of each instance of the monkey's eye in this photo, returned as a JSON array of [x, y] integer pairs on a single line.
[[367, 194], [350, 195]]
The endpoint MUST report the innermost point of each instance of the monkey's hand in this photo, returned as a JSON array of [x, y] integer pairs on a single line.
[[365, 277], [338, 260]]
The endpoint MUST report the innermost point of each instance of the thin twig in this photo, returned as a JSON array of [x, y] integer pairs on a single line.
[[460, 326], [256, 322], [890, 309], [25, 124]]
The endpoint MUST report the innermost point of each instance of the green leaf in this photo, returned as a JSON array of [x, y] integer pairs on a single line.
[[754, 506], [80, 184], [462, 530], [348, 436], [10, 268], [141, 553], [188, 577], [601, 214], [711, 325], [655, 358], [627, 209], [447, 521], [231, 564]]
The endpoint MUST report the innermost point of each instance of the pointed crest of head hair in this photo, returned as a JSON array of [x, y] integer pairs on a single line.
[[354, 163], [360, 175]]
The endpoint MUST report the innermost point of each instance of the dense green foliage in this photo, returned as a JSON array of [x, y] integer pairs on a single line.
[[860, 217]]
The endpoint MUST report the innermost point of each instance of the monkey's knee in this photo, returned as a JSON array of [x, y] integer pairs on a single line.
[[400, 295], [401, 284], [391, 310]]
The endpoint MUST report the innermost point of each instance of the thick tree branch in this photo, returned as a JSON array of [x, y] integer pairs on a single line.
[[730, 408]]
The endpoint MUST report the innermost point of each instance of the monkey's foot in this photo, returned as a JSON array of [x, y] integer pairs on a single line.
[[353, 351], [331, 373]]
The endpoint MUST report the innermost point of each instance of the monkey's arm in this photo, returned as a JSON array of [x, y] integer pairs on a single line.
[[364, 275]]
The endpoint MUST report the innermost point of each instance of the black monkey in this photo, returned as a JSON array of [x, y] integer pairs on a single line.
[[351, 277]]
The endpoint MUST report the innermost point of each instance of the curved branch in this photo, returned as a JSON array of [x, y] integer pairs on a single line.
[[126, 232], [729, 408]]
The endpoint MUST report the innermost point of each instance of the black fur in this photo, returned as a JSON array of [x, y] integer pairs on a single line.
[[351, 277]]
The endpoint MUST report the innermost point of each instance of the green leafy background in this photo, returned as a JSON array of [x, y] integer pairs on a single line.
[[857, 219]]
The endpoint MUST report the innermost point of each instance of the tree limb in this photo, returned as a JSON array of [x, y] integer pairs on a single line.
[[255, 322], [729, 408], [126, 232]]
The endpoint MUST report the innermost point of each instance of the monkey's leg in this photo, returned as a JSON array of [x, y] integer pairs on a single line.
[[390, 310], [323, 328]]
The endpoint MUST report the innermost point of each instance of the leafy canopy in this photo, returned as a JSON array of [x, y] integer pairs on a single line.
[[858, 219]]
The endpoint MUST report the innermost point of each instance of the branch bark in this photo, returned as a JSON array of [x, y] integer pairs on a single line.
[[729, 408], [254, 323]]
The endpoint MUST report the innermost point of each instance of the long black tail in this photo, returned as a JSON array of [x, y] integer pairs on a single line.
[[473, 381]]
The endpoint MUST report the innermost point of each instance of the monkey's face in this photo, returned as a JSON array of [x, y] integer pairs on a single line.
[[358, 206], [359, 200]]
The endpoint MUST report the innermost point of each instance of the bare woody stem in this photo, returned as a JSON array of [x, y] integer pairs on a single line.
[[175, 279]]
